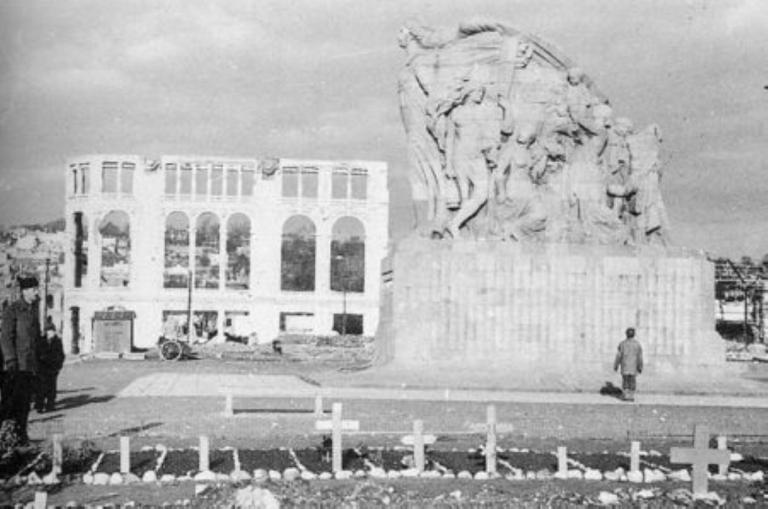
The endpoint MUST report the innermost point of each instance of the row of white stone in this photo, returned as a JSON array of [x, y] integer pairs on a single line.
[[646, 475]]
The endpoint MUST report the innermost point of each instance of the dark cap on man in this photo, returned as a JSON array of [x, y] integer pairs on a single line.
[[28, 282]]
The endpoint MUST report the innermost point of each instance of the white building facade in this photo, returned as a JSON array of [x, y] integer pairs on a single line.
[[139, 231]]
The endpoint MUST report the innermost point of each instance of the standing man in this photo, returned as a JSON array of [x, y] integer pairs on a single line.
[[630, 359], [21, 330]]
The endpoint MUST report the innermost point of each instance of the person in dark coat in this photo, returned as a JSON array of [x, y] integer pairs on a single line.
[[50, 359], [629, 358], [18, 342]]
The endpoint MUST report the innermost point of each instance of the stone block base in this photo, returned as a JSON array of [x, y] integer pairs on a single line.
[[501, 305]]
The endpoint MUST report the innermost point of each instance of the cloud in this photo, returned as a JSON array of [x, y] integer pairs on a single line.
[[746, 15]]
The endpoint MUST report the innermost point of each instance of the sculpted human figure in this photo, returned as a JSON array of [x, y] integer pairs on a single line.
[[652, 222], [579, 102], [521, 213], [472, 136], [618, 162], [588, 181], [422, 150]]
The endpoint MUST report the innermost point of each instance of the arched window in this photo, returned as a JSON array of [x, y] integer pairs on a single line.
[[297, 271], [115, 234], [176, 273], [207, 251], [238, 252], [348, 255]]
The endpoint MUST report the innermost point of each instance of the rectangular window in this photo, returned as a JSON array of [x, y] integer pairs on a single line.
[[201, 181], [74, 180], [290, 182], [309, 182], [217, 180], [85, 178], [170, 178], [109, 174], [247, 180], [126, 178], [232, 178], [339, 183], [349, 324], [297, 322], [359, 184], [185, 185]]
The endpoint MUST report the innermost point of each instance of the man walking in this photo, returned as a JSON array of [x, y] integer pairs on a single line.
[[21, 330], [630, 358]]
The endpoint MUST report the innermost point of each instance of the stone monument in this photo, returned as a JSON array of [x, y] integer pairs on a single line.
[[542, 234]]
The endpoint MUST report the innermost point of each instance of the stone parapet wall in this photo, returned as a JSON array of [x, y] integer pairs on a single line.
[[496, 304]]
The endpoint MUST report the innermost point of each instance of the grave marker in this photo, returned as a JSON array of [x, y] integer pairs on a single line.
[[634, 456], [229, 406], [722, 444], [418, 445], [58, 456], [699, 457], [205, 464], [490, 442], [125, 455], [318, 405], [418, 440], [562, 461], [336, 425]]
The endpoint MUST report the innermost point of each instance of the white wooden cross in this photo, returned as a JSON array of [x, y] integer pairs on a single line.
[[562, 461], [490, 442], [634, 457], [700, 457], [418, 440], [204, 465], [336, 425], [125, 455], [722, 444], [58, 456]]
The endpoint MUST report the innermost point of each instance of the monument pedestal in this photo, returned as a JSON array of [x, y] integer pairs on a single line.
[[491, 305]]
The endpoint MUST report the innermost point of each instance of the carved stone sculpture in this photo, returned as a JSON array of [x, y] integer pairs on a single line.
[[509, 140]]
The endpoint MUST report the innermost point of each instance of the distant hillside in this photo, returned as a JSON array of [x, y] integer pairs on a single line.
[[57, 225]]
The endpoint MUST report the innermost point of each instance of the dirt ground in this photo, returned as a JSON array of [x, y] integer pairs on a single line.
[[88, 408]]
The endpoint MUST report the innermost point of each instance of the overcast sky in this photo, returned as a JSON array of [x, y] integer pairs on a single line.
[[317, 79]]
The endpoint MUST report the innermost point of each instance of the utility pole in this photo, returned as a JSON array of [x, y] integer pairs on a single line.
[[189, 306]]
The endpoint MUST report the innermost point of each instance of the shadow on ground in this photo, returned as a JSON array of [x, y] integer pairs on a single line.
[[135, 429], [611, 390], [81, 400]]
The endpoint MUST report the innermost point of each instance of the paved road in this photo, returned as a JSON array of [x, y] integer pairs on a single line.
[[286, 386]]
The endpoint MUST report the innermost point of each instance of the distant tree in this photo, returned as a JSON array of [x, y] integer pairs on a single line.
[[746, 260]]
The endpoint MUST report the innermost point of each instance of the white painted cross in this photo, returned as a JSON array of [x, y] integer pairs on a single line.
[[699, 457], [418, 440], [58, 456], [562, 461], [634, 457], [205, 464], [125, 455], [336, 425], [490, 442], [722, 444]]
